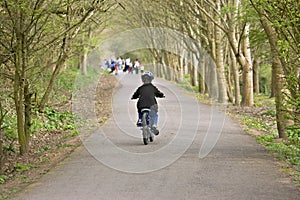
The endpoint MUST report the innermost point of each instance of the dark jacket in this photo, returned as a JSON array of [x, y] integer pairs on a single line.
[[146, 95]]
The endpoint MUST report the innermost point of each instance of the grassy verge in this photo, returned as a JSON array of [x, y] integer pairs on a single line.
[[260, 122], [286, 151]]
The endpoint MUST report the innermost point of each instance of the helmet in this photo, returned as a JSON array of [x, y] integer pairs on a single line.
[[147, 77]]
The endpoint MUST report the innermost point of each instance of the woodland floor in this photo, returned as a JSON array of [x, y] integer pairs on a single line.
[[60, 146], [51, 147]]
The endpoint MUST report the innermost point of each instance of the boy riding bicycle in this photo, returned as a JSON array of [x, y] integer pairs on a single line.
[[147, 94]]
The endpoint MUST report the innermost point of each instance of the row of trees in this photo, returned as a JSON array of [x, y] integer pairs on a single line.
[[37, 38], [240, 36]]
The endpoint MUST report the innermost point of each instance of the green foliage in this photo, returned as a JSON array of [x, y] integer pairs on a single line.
[[51, 120], [5, 193], [72, 134], [64, 145], [285, 151], [58, 120], [288, 151], [3, 178], [297, 178], [186, 76], [10, 127], [294, 136], [65, 80], [185, 84], [292, 98], [265, 74], [283, 15], [64, 86], [271, 113], [255, 123], [91, 77], [266, 139], [24, 179], [264, 100], [22, 168], [43, 149]]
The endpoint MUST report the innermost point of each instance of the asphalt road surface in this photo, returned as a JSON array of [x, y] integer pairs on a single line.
[[199, 154]]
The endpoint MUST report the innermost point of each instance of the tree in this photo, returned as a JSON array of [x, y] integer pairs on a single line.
[[280, 20], [29, 30]]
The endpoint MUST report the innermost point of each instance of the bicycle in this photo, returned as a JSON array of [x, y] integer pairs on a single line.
[[148, 135]]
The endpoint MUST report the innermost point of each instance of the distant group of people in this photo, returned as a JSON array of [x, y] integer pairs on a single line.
[[125, 65]]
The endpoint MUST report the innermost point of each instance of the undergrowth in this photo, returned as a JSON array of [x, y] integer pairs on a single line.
[[55, 124]]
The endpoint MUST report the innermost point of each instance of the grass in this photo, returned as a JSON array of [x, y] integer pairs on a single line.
[[193, 90], [3, 178], [264, 100], [287, 150], [22, 168]]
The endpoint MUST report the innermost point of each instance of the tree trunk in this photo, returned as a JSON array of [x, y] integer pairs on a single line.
[[159, 59], [181, 66], [297, 109], [18, 96], [84, 62], [243, 56], [19, 81], [195, 70], [59, 64], [213, 82], [27, 102], [191, 70], [51, 84], [236, 78], [201, 75], [278, 75], [273, 84], [229, 84], [281, 121], [247, 99], [256, 76], [222, 98]]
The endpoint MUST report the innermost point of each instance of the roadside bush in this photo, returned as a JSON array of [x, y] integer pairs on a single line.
[[294, 136]]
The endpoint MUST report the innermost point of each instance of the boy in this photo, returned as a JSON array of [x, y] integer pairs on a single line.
[[146, 94]]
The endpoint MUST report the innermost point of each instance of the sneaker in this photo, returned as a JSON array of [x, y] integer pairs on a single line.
[[154, 130], [139, 123]]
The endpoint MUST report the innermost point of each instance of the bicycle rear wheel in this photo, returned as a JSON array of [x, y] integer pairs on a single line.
[[145, 129]]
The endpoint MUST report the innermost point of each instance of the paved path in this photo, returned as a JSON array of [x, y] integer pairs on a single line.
[[179, 164]]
